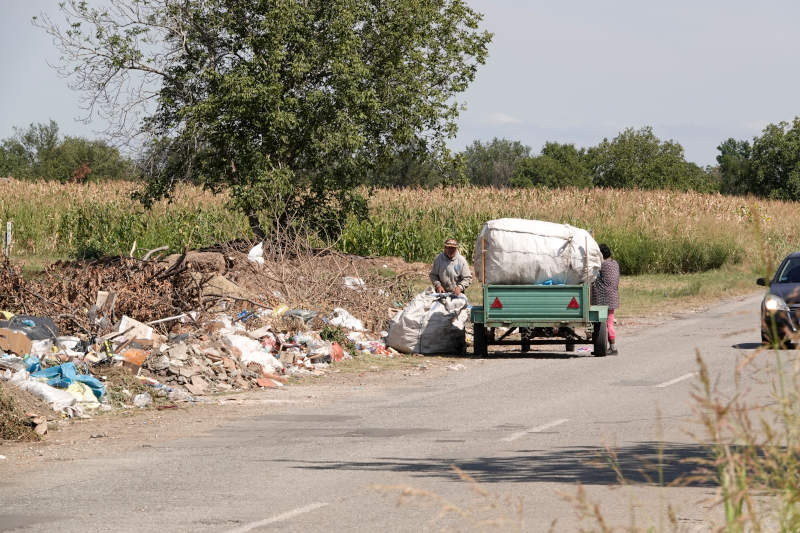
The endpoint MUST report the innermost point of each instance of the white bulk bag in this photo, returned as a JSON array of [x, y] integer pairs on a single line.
[[530, 252], [431, 323]]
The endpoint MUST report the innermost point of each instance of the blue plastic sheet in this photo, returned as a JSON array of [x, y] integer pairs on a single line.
[[62, 376], [32, 364]]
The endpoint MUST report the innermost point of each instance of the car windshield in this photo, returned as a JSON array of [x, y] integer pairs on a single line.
[[790, 272]]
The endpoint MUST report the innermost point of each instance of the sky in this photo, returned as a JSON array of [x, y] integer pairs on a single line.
[[570, 71]]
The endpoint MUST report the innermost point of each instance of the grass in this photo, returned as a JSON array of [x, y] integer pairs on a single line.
[[659, 293], [650, 232]]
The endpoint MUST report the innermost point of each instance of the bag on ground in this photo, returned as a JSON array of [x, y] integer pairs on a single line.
[[431, 323]]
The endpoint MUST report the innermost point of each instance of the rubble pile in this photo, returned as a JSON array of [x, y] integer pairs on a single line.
[[125, 332]]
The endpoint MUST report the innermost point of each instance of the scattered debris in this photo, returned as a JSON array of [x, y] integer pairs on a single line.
[[119, 333]]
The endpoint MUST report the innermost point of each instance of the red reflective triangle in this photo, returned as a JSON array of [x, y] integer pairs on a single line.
[[496, 303], [573, 304]]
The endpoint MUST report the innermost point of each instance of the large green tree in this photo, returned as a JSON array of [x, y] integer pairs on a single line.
[[288, 104], [775, 161], [39, 152], [639, 159], [559, 165], [493, 162], [768, 167], [735, 171]]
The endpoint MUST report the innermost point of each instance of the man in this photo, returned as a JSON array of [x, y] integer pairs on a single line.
[[450, 271], [605, 291]]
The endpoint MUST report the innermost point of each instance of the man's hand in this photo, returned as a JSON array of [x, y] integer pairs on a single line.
[[457, 291], [439, 288]]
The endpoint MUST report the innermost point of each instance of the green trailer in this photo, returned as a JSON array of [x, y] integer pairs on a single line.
[[542, 314]]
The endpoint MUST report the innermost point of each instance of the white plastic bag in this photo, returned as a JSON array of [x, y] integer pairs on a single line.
[[59, 399], [344, 319], [430, 324], [256, 254], [253, 352], [520, 252]]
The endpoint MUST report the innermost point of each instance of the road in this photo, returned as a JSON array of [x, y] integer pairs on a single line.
[[526, 429]]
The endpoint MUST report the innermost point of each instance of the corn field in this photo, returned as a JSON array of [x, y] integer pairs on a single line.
[[648, 231]]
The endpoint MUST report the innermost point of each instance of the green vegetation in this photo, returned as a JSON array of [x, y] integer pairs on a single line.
[[38, 152], [650, 232], [287, 105], [338, 335], [770, 167], [415, 225]]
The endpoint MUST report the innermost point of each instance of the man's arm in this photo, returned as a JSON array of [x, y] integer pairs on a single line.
[[466, 275]]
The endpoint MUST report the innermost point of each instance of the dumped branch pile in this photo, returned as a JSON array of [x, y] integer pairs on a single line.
[[67, 292], [136, 332]]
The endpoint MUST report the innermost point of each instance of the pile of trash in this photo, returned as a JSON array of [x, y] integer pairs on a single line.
[[125, 332], [217, 354]]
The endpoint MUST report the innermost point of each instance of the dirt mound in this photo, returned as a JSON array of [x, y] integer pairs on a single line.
[[14, 425]]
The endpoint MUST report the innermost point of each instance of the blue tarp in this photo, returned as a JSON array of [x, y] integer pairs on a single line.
[[62, 376]]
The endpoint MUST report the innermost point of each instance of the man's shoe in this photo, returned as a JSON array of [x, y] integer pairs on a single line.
[[613, 351]]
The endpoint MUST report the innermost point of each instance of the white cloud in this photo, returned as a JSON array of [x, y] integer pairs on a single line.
[[502, 119]]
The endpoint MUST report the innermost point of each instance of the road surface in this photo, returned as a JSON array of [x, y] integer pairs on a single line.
[[527, 429]]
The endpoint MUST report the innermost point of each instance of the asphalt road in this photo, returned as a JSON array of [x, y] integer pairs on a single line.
[[528, 429]]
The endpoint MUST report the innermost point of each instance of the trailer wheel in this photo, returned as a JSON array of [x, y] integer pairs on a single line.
[[600, 338], [479, 346]]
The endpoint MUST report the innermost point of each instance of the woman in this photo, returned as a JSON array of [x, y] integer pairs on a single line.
[[605, 291]]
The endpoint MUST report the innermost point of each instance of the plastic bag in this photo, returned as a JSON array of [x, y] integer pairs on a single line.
[[62, 376], [431, 323], [345, 320], [59, 400], [256, 254]]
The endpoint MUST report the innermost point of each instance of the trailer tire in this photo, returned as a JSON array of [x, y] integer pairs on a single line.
[[600, 338], [479, 346]]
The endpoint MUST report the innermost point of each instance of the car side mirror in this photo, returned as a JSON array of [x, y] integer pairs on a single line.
[[762, 282]]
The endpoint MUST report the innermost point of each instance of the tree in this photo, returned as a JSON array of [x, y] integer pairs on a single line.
[[27, 154], [493, 163], [775, 161], [637, 158], [288, 104], [39, 152], [768, 167], [415, 166], [79, 159], [736, 176], [559, 165]]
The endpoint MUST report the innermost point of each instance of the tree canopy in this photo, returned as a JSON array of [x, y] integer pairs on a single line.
[[559, 165], [769, 167], [288, 104], [39, 152], [639, 159], [493, 163]]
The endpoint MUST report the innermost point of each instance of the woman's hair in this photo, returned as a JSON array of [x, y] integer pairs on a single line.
[[605, 250]]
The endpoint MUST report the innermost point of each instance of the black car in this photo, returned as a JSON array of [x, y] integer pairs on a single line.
[[780, 309]]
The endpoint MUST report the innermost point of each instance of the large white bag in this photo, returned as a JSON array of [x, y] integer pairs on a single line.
[[430, 324], [520, 252]]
